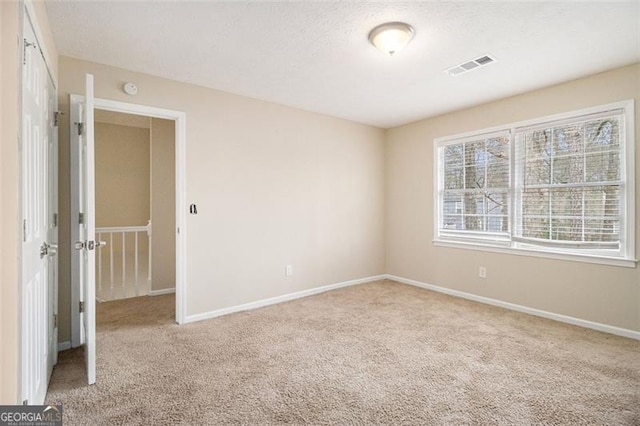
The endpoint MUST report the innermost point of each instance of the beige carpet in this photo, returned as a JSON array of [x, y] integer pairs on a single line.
[[382, 353]]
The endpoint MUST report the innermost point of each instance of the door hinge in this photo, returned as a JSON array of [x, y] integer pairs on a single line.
[[80, 128], [24, 50], [55, 320], [55, 220], [24, 230], [81, 307], [25, 402], [81, 218], [56, 117]]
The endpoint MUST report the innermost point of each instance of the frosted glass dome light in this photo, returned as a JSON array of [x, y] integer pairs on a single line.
[[391, 37]]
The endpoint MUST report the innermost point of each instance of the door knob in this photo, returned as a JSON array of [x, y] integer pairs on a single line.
[[79, 245]]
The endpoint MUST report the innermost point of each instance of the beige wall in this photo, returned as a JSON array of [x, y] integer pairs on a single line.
[[604, 294], [163, 218], [273, 185], [122, 175], [135, 182], [10, 33]]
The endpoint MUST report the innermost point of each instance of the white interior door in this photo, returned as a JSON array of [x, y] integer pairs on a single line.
[[86, 243], [39, 225], [52, 223]]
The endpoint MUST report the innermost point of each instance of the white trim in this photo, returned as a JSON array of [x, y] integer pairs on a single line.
[[180, 163], [629, 171], [180, 119], [162, 291], [533, 251], [181, 221], [519, 308], [280, 299], [63, 346]]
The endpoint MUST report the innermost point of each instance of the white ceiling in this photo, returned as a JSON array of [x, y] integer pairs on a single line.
[[316, 56]]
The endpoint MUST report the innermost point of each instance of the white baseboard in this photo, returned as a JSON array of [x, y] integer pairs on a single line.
[[519, 308], [161, 292], [279, 299], [63, 346]]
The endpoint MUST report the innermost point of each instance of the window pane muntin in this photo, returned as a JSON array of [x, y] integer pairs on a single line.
[[453, 155], [567, 202], [536, 227], [474, 210], [474, 177], [602, 230], [566, 229], [568, 169], [497, 223], [454, 178], [602, 134], [602, 166], [535, 202], [452, 222], [498, 149], [474, 153], [568, 140], [498, 175], [538, 144], [537, 171], [602, 201]]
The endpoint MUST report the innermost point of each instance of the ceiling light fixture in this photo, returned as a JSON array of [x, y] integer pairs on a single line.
[[391, 37]]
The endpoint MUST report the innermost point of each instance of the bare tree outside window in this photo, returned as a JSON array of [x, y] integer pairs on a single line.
[[553, 185], [476, 181], [571, 182]]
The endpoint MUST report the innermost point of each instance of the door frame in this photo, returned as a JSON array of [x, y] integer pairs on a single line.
[[179, 117], [28, 16]]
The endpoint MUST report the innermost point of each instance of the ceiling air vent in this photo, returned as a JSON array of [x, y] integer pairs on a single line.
[[471, 65]]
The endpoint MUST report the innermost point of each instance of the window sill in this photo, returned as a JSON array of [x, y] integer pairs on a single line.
[[528, 251]]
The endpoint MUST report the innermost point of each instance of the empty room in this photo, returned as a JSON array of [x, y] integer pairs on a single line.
[[311, 212]]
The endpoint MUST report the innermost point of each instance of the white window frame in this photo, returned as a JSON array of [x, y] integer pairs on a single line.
[[623, 257], [495, 238]]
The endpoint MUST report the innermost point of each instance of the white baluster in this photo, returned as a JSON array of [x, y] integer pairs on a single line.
[[112, 284], [99, 268], [136, 261], [124, 262], [149, 263]]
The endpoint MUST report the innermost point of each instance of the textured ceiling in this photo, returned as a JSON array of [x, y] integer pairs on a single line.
[[316, 56]]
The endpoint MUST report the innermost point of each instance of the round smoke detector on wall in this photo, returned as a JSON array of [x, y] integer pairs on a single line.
[[130, 89]]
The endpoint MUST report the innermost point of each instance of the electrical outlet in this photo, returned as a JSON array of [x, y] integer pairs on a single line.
[[288, 270], [482, 272]]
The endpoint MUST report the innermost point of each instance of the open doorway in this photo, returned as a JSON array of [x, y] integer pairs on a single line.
[[135, 206], [83, 191]]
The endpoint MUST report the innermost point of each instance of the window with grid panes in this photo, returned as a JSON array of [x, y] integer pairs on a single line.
[[558, 185], [475, 193], [570, 182]]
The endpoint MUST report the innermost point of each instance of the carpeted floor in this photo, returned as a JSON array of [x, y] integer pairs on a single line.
[[378, 353]]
